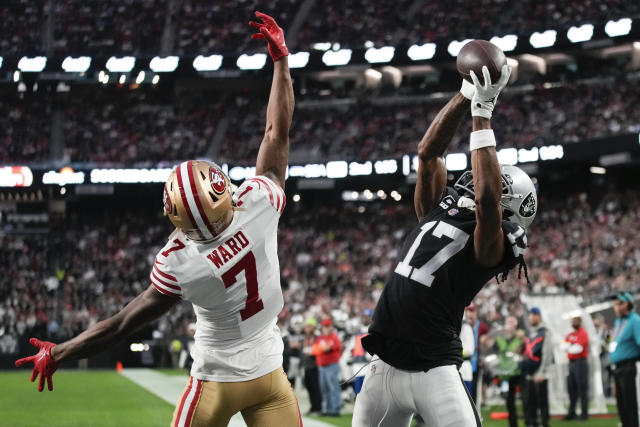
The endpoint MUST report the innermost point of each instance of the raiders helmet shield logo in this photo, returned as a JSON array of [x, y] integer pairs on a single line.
[[528, 206], [218, 183], [166, 200]]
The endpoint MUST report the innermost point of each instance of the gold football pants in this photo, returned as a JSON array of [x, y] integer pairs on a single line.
[[267, 401]]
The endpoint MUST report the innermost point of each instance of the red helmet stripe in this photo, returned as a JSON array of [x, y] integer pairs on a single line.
[[196, 198], [185, 202]]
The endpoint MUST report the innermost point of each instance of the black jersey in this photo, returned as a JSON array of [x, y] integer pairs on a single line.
[[417, 321]]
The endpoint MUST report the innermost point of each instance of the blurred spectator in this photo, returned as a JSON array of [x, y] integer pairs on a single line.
[[602, 338], [311, 375], [536, 367], [327, 349], [624, 352], [109, 27], [355, 354], [480, 329], [21, 30], [468, 350], [578, 379], [508, 344]]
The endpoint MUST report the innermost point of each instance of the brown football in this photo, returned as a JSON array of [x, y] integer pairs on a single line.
[[477, 53]]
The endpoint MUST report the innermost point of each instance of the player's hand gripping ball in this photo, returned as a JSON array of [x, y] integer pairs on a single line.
[[478, 53]]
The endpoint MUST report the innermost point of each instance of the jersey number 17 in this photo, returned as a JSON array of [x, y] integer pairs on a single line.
[[424, 274]]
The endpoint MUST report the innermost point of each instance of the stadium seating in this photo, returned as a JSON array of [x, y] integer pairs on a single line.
[[334, 257]]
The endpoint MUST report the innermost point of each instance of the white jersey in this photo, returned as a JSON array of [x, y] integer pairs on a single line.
[[234, 285]]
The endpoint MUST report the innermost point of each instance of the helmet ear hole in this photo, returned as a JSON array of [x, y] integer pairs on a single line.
[[508, 213], [202, 175], [175, 211], [213, 197]]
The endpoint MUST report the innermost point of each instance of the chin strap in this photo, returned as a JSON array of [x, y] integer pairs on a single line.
[[467, 203]]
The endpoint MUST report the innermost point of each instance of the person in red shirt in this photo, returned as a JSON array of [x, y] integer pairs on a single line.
[[578, 380], [327, 349]]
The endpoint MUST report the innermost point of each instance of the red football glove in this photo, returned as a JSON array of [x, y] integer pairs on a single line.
[[274, 35], [43, 363]]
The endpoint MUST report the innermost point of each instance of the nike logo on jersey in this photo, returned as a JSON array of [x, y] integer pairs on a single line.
[[229, 249]]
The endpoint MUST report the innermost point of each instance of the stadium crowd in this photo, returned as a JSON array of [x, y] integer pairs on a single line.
[[124, 127], [334, 262], [74, 27]]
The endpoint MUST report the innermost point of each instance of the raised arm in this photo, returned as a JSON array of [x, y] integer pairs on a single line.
[[432, 174], [273, 155], [487, 185], [145, 308]]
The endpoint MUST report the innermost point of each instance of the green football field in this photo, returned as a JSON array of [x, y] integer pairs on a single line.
[[106, 398]]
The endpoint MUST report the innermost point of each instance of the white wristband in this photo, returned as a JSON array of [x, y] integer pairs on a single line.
[[482, 138]]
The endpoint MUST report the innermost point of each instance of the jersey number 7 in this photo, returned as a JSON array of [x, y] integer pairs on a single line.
[[424, 273], [248, 264]]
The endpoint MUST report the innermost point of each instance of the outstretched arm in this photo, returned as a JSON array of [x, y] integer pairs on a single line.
[[145, 308], [432, 174], [488, 235], [273, 155]]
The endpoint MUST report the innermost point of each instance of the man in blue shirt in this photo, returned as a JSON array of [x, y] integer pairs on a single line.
[[624, 352]]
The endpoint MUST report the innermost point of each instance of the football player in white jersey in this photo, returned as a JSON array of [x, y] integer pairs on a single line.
[[223, 258]]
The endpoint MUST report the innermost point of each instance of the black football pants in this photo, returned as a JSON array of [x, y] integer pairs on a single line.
[[535, 397], [578, 386], [625, 379]]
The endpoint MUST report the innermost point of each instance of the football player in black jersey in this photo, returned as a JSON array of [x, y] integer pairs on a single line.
[[465, 236]]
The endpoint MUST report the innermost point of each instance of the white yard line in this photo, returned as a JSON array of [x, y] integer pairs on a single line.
[[170, 387]]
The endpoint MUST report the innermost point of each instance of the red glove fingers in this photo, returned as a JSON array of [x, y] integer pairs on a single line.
[[274, 35], [44, 365]]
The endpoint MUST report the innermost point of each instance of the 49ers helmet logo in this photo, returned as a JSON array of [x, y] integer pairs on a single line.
[[166, 200], [218, 183]]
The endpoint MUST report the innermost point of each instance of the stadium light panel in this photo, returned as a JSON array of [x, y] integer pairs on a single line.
[[383, 167], [456, 161], [1, 59], [579, 34], [33, 65], [337, 169], [140, 77], [155, 79], [251, 62], [76, 65], [298, 60], [506, 43], [16, 76], [121, 65], [322, 46], [525, 155], [621, 27], [122, 79], [296, 198], [339, 57], [598, 170], [455, 46], [167, 64], [377, 56], [421, 52], [544, 39], [360, 169], [207, 63], [508, 156], [551, 152]]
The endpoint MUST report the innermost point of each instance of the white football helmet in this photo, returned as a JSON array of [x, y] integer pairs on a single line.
[[519, 198]]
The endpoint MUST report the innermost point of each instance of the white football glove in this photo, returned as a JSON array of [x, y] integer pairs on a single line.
[[485, 97], [467, 89]]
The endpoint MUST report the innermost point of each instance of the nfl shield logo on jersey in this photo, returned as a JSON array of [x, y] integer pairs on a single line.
[[452, 212], [218, 183]]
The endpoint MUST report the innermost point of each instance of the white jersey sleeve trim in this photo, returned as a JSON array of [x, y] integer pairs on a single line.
[[163, 281], [276, 194]]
